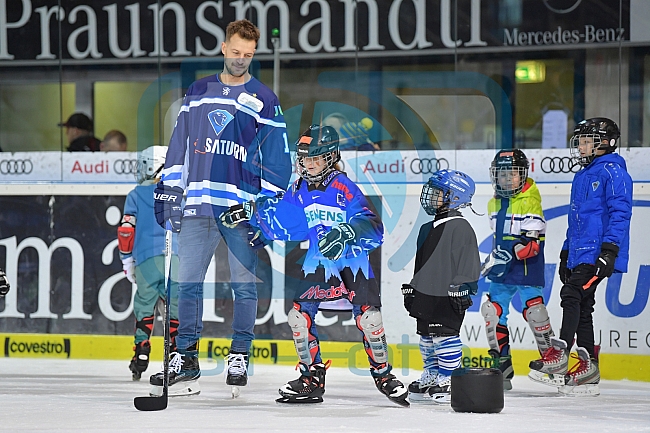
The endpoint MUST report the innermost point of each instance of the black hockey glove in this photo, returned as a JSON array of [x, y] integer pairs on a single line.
[[459, 298], [409, 296], [256, 238], [167, 206], [237, 213], [563, 270], [4, 284], [606, 260], [333, 244]]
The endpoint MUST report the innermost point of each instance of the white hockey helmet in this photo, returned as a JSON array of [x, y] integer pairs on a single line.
[[150, 163]]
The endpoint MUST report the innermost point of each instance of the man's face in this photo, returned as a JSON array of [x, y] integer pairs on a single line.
[[72, 133], [238, 53]]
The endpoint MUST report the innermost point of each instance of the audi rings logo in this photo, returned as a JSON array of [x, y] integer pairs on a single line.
[[428, 165], [16, 166], [125, 166], [559, 164]]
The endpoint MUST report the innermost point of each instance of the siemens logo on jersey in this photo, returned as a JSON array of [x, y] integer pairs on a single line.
[[223, 147], [325, 215]]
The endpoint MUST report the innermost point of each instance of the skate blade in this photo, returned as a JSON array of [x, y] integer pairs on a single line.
[[299, 399], [554, 380], [425, 398], [591, 389], [234, 391], [182, 389]]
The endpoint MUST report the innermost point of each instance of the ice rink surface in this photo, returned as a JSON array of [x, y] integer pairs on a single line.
[[97, 396]]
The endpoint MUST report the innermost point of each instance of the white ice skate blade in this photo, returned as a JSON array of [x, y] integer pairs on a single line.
[[235, 391], [554, 380], [591, 389], [425, 398], [178, 390]]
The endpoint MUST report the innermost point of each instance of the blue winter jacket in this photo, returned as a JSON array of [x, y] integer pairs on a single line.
[[600, 211]]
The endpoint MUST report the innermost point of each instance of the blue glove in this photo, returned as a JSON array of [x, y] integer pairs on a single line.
[[167, 206], [256, 238], [333, 244]]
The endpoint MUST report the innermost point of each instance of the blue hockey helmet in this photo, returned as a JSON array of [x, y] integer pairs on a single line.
[[317, 142], [447, 189]]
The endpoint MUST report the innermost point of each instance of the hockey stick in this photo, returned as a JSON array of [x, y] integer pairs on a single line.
[[160, 403]]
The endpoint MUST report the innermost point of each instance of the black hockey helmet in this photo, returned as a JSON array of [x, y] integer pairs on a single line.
[[317, 141], [601, 132], [505, 166]]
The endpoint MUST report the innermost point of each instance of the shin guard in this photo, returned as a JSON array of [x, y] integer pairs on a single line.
[[371, 324], [305, 343], [537, 317]]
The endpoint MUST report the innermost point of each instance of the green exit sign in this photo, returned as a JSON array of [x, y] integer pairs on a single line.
[[530, 72]]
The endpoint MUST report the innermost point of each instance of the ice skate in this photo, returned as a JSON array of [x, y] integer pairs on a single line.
[[308, 388], [555, 380], [554, 360], [237, 372], [184, 373], [392, 388], [140, 360], [418, 388], [503, 363], [584, 377]]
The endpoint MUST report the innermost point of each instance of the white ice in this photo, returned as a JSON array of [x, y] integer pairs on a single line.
[[97, 396]]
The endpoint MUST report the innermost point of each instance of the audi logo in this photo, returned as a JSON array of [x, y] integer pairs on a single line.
[[125, 166], [16, 166], [428, 165], [559, 164]]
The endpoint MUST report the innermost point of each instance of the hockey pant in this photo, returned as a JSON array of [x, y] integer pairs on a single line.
[[150, 279], [440, 355], [578, 298], [496, 308], [301, 319]]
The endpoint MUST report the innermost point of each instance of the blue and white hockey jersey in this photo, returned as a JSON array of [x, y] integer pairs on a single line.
[[308, 212], [229, 145]]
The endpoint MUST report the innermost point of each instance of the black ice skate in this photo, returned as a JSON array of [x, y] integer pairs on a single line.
[[184, 373], [308, 388], [237, 371], [393, 389], [503, 363], [418, 388], [140, 360]]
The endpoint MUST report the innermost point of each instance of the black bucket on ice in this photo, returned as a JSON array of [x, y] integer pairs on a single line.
[[477, 390]]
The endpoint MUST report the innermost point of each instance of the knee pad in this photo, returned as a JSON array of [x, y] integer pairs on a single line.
[[491, 312], [300, 323], [371, 324], [536, 315]]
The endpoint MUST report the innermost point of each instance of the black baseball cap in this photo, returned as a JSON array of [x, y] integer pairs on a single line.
[[78, 120]]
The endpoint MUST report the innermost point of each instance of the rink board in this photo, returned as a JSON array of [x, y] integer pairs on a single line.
[[342, 354]]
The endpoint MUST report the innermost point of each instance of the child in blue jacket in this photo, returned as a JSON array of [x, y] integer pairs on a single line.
[[596, 246]]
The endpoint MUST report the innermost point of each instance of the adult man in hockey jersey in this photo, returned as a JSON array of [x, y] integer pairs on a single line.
[[596, 246], [516, 263], [327, 209], [228, 146]]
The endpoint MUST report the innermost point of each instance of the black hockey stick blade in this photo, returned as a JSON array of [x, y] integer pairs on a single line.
[[151, 403]]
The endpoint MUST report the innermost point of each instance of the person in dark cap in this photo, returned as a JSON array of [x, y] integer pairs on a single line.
[[79, 130]]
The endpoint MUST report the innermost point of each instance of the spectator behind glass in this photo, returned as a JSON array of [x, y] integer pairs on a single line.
[[114, 141], [79, 131]]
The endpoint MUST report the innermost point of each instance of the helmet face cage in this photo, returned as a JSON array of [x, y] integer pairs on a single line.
[[330, 160], [508, 181], [433, 199], [589, 142], [593, 135], [150, 163]]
